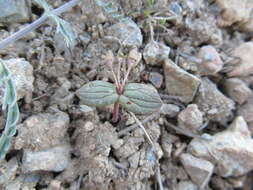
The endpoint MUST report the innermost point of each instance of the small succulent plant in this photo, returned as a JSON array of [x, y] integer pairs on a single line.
[[134, 97]]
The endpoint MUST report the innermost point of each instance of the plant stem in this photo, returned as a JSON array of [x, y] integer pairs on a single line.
[[115, 115], [144, 130], [19, 34]]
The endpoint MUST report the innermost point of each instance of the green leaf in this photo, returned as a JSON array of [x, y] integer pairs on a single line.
[[140, 99], [98, 93], [13, 116], [4, 145], [9, 94]]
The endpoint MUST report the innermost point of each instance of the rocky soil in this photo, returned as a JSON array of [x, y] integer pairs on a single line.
[[198, 54]]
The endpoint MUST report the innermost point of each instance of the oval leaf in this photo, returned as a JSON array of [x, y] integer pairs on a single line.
[[140, 98], [98, 93]]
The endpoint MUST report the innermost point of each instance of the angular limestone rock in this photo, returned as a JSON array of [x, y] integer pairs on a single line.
[[42, 131], [179, 82], [199, 170], [190, 118], [155, 52], [231, 150], [211, 61], [233, 11], [244, 52], [14, 11], [237, 90], [127, 32], [213, 103]]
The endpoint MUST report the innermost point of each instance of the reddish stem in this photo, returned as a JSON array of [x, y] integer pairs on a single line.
[[115, 114]]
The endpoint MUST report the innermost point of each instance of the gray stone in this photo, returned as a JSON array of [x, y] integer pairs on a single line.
[[246, 111], [22, 74], [244, 53], [179, 82], [54, 159], [233, 12], [10, 168], [199, 170], [155, 52], [211, 61], [190, 118], [231, 151], [128, 33], [186, 185], [213, 103], [156, 79], [170, 110], [237, 90], [42, 131], [24, 182], [14, 11]]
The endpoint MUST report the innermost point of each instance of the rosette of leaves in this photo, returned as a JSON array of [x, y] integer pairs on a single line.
[[135, 97], [9, 104]]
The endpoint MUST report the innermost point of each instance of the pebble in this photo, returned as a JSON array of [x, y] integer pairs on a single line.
[[10, 168], [190, 118], [42, 131], [237, 90], [233, 11], [244, 52], [156, 79], [24, 182], [170, 110], [13, 11], [246, 111], [231, 150], [53, 159], [22, 75], [211, 61], [215, 105], [155, 52], [179, 82], [127, 32], [186, 185], [92, 13], [199, 170]]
